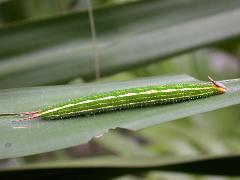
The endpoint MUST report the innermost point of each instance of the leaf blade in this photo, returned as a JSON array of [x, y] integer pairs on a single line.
[[31, 137], [130, 35], [109, 167]]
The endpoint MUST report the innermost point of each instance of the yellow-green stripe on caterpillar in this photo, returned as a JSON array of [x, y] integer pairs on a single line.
[[127, 99]]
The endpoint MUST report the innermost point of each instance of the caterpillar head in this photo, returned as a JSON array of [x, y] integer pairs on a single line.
[[219, 86]]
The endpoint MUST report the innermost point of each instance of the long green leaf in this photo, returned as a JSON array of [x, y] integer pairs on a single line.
[[58, 49], [109, 167], [36, 136]]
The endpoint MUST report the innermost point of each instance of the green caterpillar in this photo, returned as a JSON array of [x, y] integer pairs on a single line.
[[128, 99]]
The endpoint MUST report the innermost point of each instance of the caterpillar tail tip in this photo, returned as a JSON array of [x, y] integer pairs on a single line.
[[29, 113], [34, 116]]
